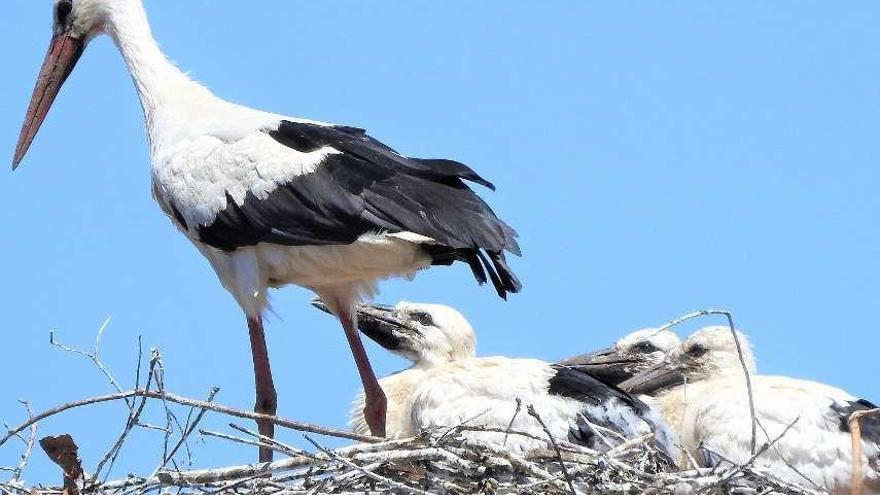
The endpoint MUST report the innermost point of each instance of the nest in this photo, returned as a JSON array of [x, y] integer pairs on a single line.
[[438, 462], [448, 460]]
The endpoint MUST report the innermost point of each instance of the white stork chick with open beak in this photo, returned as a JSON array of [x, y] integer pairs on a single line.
[[629, 356], [272, 200], [701, 391], [447, 386]]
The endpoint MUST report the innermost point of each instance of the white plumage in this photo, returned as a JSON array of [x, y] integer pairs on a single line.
[[272, 200], [711, 415], [447, 386]]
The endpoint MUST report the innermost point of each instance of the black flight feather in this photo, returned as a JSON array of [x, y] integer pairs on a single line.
[[368, 187]]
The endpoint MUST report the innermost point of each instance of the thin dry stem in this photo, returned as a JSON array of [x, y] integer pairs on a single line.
[[855, 429], [231, 411], [533, 413]]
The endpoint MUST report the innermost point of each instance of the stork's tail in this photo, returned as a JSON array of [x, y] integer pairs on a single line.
[[485, 266]]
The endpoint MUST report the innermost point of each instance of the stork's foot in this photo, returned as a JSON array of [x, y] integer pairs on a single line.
[[374, 413]]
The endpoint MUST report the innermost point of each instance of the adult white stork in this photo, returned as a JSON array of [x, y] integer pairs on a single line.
[[447, 386], [272, 200], [711, 415], [629, 356]]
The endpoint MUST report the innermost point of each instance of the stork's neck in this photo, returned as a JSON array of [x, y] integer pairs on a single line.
[[157, 79]]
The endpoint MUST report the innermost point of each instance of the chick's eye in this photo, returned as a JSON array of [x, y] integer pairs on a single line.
[[646, 347], [423, 318], [697, 351], [62, 10]]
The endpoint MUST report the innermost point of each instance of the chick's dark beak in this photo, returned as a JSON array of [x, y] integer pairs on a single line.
[[64, 52], [378, 322], [654, 379], [318, 303], [608, 365]]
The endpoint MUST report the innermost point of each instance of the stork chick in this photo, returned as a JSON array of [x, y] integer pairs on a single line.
[[447, 386], [701, 391]]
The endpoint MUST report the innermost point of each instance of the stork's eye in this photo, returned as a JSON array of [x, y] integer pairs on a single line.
[[697, 350], [62, 10], [423, 318], [646, 347]]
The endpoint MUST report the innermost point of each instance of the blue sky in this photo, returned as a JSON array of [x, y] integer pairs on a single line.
[[656, 157]]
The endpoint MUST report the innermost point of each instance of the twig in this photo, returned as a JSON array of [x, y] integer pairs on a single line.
[[689, 456], [231, 411], [495, 429], [391, 483], [596, 430], [745, 368], [737, 469], [514, 460], [512, 419], [786, 462], [462, 424], [93, 356], [256, 443], [190, 427], [233, 485], [263, 438], [133, 419], [137, 371], [855, 431], [28, 446], [160, 384], [629, 444], [531, 410]]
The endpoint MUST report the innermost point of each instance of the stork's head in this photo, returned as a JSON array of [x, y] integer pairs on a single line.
[[74, 24], [426, 334], [629, 356], [709, 353]]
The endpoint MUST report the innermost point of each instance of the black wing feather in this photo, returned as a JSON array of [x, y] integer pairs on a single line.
[[574, 384], [581, 386], [369, 187]]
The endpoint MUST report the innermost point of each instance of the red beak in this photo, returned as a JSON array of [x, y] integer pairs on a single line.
[[64, 52]]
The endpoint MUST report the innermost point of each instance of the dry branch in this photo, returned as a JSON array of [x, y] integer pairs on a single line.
[[855, 429], [184, 401], [440, 462]]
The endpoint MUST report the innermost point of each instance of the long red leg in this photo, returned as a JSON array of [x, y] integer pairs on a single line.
[[267, 399], [375, 403]]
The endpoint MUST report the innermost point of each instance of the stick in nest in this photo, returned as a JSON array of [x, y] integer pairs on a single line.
[[391, 483], [531, 410], [512, 419], [190, 426], [28, 446], [132, 421], [738, 469], [93, 356], [855, 431], [211, 406]]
